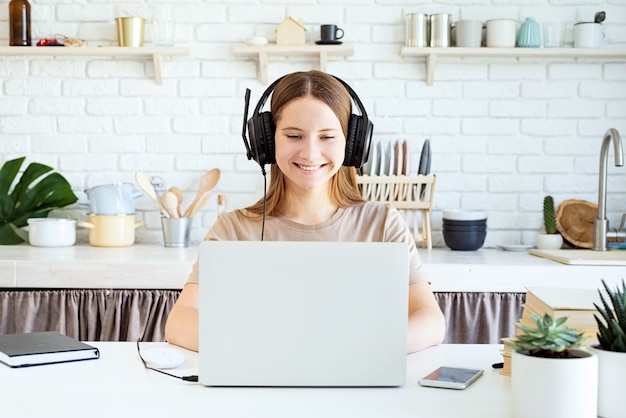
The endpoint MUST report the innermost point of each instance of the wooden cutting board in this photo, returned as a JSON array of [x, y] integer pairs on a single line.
[[583, 257]]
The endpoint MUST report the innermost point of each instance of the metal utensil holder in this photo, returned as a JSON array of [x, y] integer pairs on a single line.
[[408, 194]]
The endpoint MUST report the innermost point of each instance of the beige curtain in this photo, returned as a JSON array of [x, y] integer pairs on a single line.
[[480, 317], [88, 314], [125, 315]]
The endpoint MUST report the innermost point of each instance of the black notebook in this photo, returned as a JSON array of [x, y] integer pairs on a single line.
[[36, 348]]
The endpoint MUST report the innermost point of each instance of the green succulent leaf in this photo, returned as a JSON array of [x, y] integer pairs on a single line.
[[35, 195], [612, 320]]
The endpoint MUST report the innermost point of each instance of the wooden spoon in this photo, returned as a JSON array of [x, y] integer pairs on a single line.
[[207, 183], [170, 201], [199, 204], [144, 182], [179, 196]]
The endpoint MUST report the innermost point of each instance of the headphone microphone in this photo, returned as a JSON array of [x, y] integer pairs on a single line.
[[245, 119]]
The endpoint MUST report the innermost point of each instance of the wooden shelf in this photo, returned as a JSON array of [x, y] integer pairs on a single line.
[[265, 51], [431, 54], [155, 53]]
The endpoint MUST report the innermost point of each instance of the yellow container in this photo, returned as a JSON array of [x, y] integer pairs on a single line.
[[130, 31], [111, 230]]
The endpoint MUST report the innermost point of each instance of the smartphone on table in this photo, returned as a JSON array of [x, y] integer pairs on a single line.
[[451, 377]]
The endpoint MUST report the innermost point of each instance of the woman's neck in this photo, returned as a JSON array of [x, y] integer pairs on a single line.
[[308, 207]]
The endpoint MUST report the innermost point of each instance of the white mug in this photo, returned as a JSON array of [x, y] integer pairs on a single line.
[[501, 33], [588, 35], [468, 33]]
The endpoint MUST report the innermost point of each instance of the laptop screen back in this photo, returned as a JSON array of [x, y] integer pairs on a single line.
[[303, 313]]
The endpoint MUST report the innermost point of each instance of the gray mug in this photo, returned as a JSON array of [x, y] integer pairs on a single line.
[[329, 33]]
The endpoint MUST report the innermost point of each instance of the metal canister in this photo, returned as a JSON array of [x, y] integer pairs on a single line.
[[416, 29], [440, 29]]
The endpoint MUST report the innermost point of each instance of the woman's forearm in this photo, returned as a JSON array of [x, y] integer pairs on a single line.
[[426, 328], [181, 327]]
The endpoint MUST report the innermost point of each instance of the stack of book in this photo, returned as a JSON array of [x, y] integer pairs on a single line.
[[575, 304]]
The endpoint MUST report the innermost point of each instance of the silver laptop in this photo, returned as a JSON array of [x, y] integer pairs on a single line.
[[314, 314]]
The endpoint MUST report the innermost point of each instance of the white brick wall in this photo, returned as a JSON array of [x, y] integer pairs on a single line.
[[504, 132]]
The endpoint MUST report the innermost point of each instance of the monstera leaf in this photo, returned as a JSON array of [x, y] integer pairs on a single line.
[[29, 198]]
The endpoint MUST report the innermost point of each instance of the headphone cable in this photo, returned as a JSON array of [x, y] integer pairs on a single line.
[[264, 202]]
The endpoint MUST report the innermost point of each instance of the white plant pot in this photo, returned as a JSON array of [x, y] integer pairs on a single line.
[[555, 388], [611, 367], [549, 241]]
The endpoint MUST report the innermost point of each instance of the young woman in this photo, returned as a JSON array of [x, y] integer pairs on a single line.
[[312, 197]]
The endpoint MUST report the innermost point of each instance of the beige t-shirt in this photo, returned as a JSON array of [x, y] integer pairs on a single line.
[[369, 221]]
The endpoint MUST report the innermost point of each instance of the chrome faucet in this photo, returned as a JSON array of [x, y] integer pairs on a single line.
[[601, 232]]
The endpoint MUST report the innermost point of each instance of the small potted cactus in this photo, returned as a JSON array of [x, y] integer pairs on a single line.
[[552, 239], [551, 375], [611, 350]]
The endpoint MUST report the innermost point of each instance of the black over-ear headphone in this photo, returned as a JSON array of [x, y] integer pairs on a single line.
[[261, 130]]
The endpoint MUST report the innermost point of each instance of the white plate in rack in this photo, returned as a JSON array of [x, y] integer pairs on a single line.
[[375, 159], [382, 158], [374, 165], [366, 170], [382, 169], [390, 159]]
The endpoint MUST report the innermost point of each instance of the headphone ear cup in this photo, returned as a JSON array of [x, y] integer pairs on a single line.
[[351, 142], [358, 141], [268, 129], [261, 133]]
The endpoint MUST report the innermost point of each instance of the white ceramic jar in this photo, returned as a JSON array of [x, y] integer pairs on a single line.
[[501, 33], [51, 232]]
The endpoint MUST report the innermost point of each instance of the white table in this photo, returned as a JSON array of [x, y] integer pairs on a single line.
[[118, 385]]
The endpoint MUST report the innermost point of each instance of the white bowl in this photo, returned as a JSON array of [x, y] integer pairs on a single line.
[[464, 215], [51, 232], [256, 41]]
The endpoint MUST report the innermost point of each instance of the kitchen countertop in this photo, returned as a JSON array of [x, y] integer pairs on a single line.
[[157, 267]]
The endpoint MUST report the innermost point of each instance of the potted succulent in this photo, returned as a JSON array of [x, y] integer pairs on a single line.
[[33, 196], [611, 350], [551, 375], [552, 239]]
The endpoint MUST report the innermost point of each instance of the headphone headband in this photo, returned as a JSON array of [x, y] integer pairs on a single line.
[[260, 146]]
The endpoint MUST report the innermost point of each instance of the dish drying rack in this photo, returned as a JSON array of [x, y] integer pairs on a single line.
[[409, 194]]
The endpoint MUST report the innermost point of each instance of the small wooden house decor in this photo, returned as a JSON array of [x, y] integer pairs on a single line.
[[290, 32]]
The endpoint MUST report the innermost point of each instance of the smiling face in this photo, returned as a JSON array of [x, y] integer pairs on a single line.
[[310, 144]]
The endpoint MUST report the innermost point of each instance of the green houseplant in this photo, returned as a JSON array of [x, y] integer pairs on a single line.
[[549, 215], [549, 338], [34, 195], [611, 350], [612, 320], [551, 239], [551, 375]]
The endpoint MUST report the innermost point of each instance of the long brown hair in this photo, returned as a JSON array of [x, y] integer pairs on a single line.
[[343, 188]]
